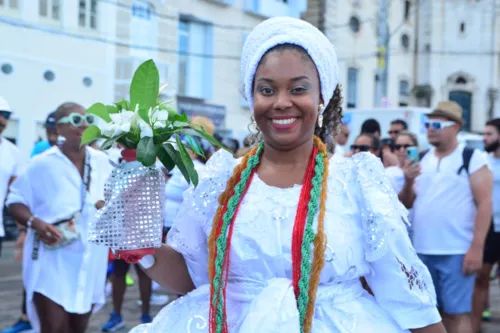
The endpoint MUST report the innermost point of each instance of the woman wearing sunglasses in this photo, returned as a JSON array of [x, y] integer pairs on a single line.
[[370, 143], [64, 274], [404, 142]]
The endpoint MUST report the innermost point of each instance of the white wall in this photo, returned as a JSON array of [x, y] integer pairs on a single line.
[[31, 52], [473, 53], [358, 50]]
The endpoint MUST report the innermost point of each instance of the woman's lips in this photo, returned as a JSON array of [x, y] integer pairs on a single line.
[[283, 124]]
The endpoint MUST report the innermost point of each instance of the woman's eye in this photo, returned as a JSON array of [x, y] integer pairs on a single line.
[[297, 90], [266, 91]]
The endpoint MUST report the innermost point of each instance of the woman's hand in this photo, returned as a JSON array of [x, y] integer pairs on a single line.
[[411, 170], [48, 233]]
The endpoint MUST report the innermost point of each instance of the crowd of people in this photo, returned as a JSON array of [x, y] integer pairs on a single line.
[[327, 238]]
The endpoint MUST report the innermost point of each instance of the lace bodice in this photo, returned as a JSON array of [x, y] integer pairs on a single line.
[[364, 225]]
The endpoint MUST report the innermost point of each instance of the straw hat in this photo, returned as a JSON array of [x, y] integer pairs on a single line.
[[205, 123], [449, 110]]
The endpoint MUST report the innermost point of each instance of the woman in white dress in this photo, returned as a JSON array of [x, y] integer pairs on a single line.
[[63, 283], [277, 242]]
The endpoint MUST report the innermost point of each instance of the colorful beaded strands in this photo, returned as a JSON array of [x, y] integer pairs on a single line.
[[305, 275]]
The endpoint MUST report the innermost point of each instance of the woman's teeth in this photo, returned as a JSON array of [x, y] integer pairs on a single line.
[[284, 121]]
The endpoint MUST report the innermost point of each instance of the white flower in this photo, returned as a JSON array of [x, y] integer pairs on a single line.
[[120, 123], [158, 119], [146, 130]]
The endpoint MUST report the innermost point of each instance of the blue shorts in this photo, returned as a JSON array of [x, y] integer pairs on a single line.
[[453, 289]]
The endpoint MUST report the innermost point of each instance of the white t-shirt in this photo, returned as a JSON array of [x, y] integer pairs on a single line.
[[10, 165], [495, 168], [339, 150], [396, 177], [444, 211], [174, 190]]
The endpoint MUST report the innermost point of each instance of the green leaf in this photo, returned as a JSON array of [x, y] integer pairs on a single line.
[[209, 138], [188, 162], [122, 105], [164, 157], [176, 157], [146, 151], [100, 110], [130, 140], [144, 88], [90, 134], [109, 142], [195, 146], [112, 109]]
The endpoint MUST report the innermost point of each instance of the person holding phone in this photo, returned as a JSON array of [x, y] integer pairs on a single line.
[[407, 150], [372, 144]]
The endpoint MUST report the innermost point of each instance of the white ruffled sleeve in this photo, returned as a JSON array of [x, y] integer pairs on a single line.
[[191, 227], [400, 282]]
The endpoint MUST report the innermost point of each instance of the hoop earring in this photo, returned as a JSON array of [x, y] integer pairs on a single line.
[[320, 116]]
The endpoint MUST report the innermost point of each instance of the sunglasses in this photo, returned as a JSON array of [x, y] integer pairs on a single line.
[[395, 132], [5, 114], [361, 147], [398, 147], [77, 119], [438, 124]]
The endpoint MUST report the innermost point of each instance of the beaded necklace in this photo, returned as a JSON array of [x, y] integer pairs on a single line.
[[305, 275]]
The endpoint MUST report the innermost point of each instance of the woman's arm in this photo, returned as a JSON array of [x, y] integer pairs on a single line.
[[170, 271], [434, 328]]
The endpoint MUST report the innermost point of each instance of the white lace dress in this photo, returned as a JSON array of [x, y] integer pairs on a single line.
[[366, 237]]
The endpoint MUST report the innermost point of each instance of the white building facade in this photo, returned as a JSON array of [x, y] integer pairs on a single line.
[[458, 57], [438, 50], [197, 47], [53, 51]]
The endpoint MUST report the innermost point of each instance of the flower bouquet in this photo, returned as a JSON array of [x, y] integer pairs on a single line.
[[131, 220]]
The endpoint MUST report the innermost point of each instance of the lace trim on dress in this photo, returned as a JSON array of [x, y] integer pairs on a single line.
[[380, 206]]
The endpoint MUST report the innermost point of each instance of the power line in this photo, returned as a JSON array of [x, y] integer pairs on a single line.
[[16, 23], [154, 12]]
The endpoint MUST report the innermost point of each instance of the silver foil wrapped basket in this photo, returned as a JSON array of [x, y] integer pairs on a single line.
[[131, 221]]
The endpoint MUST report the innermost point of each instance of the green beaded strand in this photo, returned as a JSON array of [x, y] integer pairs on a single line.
[[221, 242], [307, 241]]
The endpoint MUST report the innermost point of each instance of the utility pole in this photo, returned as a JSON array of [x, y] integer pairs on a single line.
[[382, 56]]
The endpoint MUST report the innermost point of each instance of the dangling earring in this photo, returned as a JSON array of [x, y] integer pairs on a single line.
[[253, 126], [320, 117]]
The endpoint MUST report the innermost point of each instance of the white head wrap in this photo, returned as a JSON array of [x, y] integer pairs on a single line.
[[287, 30]]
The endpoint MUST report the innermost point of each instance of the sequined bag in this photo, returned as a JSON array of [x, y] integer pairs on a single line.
[[131, 221]]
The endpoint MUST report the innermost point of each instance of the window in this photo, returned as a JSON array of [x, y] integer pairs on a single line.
[[49, 9], [7, 68], [143, 28], [354, 24], [195, 59], [404, 92], [407, 10], [405, 42], [352, 87], [87, 14], [11, 4], [462, 27]]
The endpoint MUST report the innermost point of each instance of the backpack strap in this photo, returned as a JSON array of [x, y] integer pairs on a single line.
[[466, 157]]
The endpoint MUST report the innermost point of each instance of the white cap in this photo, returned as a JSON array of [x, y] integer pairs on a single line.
[[4, 106]]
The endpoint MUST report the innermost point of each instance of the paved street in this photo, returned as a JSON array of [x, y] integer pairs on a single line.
[[10, 296]]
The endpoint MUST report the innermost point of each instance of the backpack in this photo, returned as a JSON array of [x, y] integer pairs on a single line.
[[466, 157]]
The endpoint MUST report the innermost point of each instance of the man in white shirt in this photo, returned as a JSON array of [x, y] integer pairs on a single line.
[[11, 161], [451, 203], [492, 246]]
